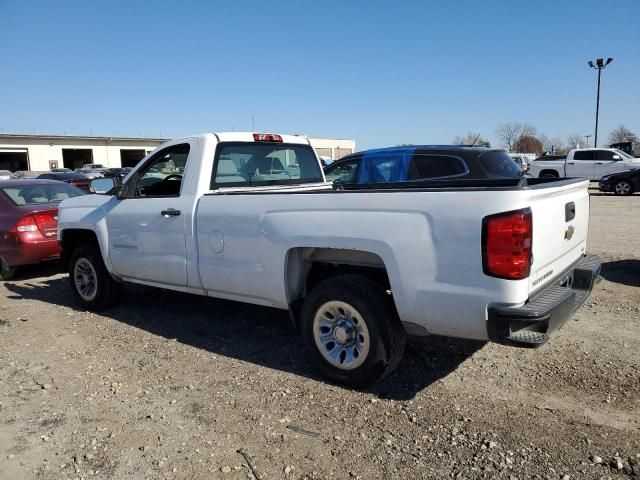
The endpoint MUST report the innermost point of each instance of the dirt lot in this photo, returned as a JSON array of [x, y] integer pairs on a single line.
[[172, 386]]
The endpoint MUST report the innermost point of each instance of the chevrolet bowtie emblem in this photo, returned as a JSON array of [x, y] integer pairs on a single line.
[[569, 232]]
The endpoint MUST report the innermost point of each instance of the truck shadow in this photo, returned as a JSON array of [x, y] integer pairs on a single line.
[[625, 272], [259, 335]]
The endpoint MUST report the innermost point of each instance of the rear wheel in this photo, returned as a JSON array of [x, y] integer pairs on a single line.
[[549, 175], [351, 330], [91, 283], [623, 187]]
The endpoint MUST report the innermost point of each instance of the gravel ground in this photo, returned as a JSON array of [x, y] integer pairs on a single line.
[[176, 386]]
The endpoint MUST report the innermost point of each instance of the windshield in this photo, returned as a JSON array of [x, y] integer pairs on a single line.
[[624, 154], [260, 164], [41, 193]]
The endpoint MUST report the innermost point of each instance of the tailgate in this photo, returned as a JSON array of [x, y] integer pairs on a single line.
[[560, 225]]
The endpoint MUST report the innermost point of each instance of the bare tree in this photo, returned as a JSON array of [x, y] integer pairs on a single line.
[[574, 141], [528, 130], [622, 134], [471, 138], [508, 133], [545, 142], [550, 144], [528, 144]]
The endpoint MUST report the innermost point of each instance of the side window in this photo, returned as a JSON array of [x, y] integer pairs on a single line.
[[344, 172], [605, 155], [583, 155], [162, 175], [435, 166]]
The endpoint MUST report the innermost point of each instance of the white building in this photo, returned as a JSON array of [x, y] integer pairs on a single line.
[[332, 148], [40, 153], [44, 152]]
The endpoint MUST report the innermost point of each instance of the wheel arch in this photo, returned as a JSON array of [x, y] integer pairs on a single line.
[[549, 171], [305, 267], [71, 238]]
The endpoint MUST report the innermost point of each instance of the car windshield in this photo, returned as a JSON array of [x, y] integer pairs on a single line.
[[36, 194], [260, 164], [624, 154]]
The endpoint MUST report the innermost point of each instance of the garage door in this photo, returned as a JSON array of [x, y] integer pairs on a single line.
[[14, 160], [323, 152]]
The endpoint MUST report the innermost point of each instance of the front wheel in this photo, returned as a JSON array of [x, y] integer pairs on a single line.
[[623, 187], [7, 274], [91, 283], [350, 327]]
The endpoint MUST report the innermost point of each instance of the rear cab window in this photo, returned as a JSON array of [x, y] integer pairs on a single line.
[[246, 164]]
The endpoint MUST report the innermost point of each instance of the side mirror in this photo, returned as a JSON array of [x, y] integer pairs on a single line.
[[102, 185], [617, 157]]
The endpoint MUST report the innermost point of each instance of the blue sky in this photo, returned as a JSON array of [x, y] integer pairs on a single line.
[[383, 73]]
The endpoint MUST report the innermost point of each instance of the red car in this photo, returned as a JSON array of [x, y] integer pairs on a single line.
[[29, 221]]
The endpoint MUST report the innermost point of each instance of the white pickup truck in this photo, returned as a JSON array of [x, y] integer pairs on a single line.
[[249, 217], [591, 163]]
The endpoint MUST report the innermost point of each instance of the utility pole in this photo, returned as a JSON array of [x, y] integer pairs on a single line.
[[599, 65], [587, 137]]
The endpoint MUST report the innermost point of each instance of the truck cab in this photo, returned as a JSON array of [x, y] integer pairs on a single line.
[[591, 163]]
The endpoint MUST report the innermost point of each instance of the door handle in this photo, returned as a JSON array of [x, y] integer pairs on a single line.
[[598, 163], [170, 212], [570, 163]]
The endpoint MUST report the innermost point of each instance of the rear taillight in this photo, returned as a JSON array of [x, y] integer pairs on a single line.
[[45, 222], [26, 224], [266, 137], [506, 244]]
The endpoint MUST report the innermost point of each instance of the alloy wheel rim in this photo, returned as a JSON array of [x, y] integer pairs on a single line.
[[341, 335], [85, 279], [623, 187]]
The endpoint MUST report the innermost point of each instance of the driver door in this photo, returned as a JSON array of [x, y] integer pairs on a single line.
[[147, 226]]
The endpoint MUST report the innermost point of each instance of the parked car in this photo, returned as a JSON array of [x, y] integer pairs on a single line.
[[116, 172], [591, 163], [623, 183], [29, 221], [93, 166], [77, 179], [89, 173], [253, 219], [424, 162], [5, 174], [522, 161]]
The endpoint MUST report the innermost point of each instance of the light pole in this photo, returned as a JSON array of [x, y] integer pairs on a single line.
[[600, 64], [587, 137]]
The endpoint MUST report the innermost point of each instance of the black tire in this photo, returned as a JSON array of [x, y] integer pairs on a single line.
[[549, 175], [107, 290], [386, 334], [623, 187], [7, 274]]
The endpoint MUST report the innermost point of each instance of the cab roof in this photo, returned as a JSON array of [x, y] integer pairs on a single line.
[[248, 137]]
